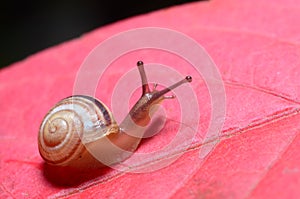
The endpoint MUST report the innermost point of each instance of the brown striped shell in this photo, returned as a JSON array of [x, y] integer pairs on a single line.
[[70, 125]]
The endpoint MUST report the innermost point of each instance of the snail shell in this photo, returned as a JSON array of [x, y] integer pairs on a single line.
[[70, 125]]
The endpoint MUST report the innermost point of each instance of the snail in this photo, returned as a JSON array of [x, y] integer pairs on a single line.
[[80, 131]]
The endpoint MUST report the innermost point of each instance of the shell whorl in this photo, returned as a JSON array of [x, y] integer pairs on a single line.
[[71, 123]]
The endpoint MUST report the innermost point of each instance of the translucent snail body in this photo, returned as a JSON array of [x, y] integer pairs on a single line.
[[80, 131]]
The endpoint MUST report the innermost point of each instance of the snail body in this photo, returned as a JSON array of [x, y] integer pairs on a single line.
[[80, 131]]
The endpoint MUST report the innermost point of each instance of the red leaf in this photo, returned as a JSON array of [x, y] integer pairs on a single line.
[[256, 48]]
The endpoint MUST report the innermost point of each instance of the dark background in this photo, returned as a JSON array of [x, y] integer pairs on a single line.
[[30, 26]]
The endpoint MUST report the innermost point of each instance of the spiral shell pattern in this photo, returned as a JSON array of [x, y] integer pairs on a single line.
[[70, 124]]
